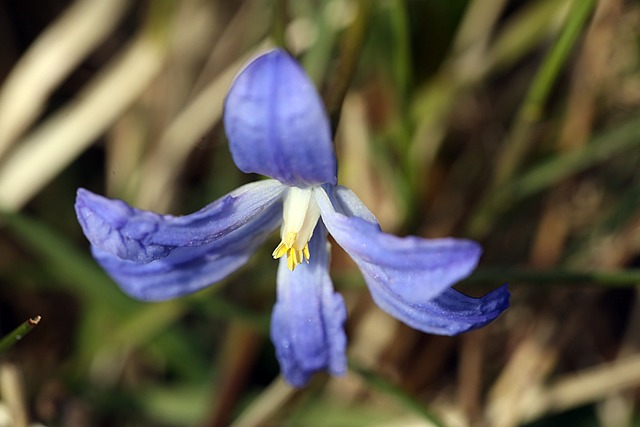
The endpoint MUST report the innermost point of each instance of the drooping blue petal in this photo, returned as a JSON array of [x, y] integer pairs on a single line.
[[450, 313], [307, 322], [236, 225], [417, 269], [142, 236], [410, 277], [276, 123]]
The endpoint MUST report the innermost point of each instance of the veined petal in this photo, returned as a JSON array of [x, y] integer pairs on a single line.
[[410, 277], [416, 269], [307, 322], [180, 260], [188, 269], [450, 313], [276, 123], [132, 234]]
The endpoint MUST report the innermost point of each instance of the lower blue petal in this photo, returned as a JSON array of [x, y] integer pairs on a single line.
[[410, 277], [448, 314], [307, 322], [416, 269]]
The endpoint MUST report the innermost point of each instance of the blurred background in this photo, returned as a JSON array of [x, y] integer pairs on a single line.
[[512, 122]]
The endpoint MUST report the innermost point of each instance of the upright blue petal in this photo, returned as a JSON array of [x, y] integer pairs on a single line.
[[307, 322], [175, 256], [410, 277], [143, 236], [276, 123]]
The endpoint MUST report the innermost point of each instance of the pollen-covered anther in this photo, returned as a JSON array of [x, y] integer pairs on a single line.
[[294, 256], [280, 250], [300, 216]]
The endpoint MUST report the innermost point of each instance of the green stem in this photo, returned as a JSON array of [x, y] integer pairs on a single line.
[[495, 275], [347, 62], [519, 139], [611, 142], [414, 177], [279, 23], [531, 110], [401, 52], [160, 16], [18, 333], [612, 278]]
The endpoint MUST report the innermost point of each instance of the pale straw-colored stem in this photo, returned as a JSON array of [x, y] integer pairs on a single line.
[[55, 54], [68, 132]]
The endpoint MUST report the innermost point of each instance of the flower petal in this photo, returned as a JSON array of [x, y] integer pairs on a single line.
[[277, 125], [142, 236], [188, 269], [450, 313], [410, 277], [307, 322], [416, 269], [233, 227]]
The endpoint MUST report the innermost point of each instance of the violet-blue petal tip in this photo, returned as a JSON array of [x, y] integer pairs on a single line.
[[117, 228], [451, 313]]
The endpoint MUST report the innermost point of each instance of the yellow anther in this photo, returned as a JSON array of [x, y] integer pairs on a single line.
[[300, 214], [280, 250], [290, 239], [291, 259], [294, 256]]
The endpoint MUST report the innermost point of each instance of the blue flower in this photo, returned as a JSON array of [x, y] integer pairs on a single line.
[[277, 126]]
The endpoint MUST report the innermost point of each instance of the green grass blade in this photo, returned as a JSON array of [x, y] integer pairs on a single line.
[[18, 333]]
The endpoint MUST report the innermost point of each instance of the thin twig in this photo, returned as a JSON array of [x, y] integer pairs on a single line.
[[18, 333]]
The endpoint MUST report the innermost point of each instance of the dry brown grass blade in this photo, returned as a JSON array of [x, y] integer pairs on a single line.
[[181, 136], [359, 171], [471, 43], [68, 132], [525, 371], [371, 336], [587, 386], [50, 59], [269, 402], [12, 391]]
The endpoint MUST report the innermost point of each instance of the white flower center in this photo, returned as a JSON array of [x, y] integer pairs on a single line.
[[301, 214]]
